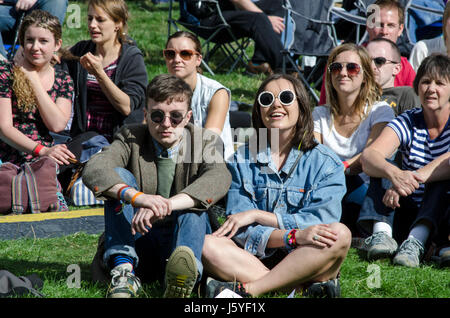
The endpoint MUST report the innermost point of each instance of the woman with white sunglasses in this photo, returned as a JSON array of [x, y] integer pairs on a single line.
[[282, 231], [353, 118], [211, 100]]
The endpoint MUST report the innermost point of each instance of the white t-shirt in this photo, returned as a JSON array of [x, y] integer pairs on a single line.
[[425, 48], [344, 147]]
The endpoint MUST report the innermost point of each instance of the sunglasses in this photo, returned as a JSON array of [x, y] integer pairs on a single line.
[[158, 116], [286, 98], [380, 61], [186, 55], [353, 69]]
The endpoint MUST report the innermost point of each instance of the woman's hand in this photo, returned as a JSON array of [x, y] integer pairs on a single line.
[[391, 198], [92, 63], [405, 182], [318, 235], [60, 153], [235, 222], [151, 209]]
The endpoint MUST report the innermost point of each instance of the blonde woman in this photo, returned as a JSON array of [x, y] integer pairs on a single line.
[[354, 117]]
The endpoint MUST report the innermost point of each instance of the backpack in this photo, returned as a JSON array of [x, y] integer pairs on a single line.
[[32, 187]]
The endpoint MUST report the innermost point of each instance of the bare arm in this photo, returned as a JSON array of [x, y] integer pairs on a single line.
[[119, 100], [217, 111], [247, 5]]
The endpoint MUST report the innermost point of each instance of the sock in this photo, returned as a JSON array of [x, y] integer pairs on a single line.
[[420, 232], [382, 227], [119, 259]]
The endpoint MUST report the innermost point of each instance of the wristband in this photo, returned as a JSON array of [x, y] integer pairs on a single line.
[[120, 194], [346, 165], [37, 149], [290, 240], [134, 198]]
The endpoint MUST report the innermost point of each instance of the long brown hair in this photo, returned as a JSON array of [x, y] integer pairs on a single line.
[[303, 134], [370, 91]]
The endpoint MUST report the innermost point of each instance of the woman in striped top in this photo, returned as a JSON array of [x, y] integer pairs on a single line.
[[420, 188]]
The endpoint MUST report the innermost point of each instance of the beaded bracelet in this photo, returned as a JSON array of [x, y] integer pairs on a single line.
[[134, 198], [290, 240]]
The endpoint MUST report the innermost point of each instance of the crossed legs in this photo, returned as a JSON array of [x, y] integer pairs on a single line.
[[229, 262]]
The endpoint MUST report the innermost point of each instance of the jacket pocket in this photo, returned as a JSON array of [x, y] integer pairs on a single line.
[[295, 196]]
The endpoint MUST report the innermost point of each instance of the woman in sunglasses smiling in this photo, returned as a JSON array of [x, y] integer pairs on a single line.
[[354, 116], [284, 207], [211, 100]]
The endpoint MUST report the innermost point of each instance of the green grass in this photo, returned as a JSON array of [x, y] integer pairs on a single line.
[[50, 258]]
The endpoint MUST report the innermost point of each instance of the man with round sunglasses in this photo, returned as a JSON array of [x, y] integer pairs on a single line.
[[158, 180], [386, 66]]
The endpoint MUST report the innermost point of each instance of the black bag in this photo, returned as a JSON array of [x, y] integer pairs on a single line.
[[11, 285], [201, 9]]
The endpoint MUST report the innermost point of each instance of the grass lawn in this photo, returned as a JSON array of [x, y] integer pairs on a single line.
[[57, 260]]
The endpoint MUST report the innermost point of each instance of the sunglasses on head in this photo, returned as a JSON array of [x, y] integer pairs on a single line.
[[186, 54], [158, 116], [353, 69], [380, 61], [286, 98]]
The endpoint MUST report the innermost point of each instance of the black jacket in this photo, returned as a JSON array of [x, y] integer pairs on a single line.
[[130, 77]]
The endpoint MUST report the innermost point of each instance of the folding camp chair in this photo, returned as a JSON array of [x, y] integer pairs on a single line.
[[219, 38], [11, 43], [309, 31]]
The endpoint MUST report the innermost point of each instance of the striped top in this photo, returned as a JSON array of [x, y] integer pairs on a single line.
[[101, 115], [415, 144]]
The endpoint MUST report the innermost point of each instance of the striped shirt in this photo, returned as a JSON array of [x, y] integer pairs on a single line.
[[415, 144], [101, 115]]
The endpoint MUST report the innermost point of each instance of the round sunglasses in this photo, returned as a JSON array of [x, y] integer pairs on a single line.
[[286, 98], [158, 116], [380, 61], [353, 69], [186, 54]]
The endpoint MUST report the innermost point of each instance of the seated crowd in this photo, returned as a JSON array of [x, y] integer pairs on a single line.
[[369, 165]]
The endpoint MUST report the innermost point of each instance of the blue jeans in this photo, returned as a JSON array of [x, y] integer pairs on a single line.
[[188, 229], [9, 16], [434, 204]]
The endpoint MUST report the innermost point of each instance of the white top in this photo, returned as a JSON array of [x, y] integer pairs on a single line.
[[344, 147], [425, 48]]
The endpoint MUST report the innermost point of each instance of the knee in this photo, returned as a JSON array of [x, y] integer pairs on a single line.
[[126, 176], [344, 235], [212, 249]]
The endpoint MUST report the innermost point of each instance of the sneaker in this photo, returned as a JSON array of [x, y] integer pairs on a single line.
[[263, 68], [409, 253], [328, 289], [380, 245], [215, 287], [181, 273], [124, 284]]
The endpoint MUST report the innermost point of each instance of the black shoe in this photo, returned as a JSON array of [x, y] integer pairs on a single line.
[[215, 287], [329, 289]]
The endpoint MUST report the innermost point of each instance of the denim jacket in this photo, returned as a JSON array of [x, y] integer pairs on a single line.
[[311, 195]]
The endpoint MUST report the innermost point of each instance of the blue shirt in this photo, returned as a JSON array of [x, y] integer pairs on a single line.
[[311, 195]]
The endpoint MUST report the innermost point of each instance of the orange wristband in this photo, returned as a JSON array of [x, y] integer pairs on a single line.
[[120, 190], [134, 198]]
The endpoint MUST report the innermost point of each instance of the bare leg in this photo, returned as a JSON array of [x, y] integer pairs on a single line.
[[229, 262]]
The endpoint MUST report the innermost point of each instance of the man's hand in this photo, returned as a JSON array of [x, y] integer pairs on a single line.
[[152, 208], [277, 23]]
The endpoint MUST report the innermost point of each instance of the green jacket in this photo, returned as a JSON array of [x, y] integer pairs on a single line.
[[200, 170]]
